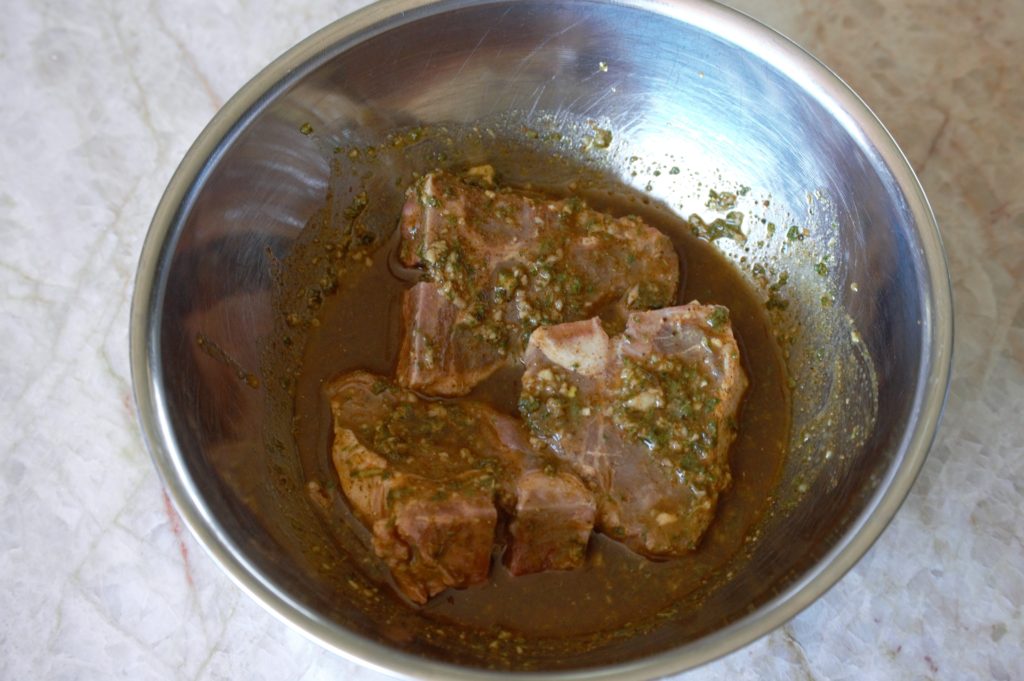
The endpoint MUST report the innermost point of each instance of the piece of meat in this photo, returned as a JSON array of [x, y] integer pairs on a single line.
[[645, 418], [432, 534], [438, 356], [554, 516], [428, 479], [500, 263]]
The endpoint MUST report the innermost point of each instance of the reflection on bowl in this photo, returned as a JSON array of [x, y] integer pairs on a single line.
[[695, 97]]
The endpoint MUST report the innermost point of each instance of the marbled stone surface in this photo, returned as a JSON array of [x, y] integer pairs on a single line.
[[99, 101]]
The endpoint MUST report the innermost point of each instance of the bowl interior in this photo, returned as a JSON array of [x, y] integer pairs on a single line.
[[689, 86]]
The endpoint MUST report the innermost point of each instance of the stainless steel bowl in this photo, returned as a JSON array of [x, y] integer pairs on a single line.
[[681, 83]]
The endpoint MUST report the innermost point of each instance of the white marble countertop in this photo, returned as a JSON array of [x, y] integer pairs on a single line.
[[98, 103]]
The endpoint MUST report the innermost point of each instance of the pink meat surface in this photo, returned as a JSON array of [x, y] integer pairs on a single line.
[[645, 418], [499, 263]]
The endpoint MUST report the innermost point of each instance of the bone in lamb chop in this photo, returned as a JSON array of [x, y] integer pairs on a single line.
[[500, 263], [645, 418], [432, 482]]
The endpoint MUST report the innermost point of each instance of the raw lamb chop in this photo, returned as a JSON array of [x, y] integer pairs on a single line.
[[645, 418], [428, 480], [500, 263]]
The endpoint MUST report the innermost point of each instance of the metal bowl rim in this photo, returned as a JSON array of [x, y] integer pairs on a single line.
[[735, 27]]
